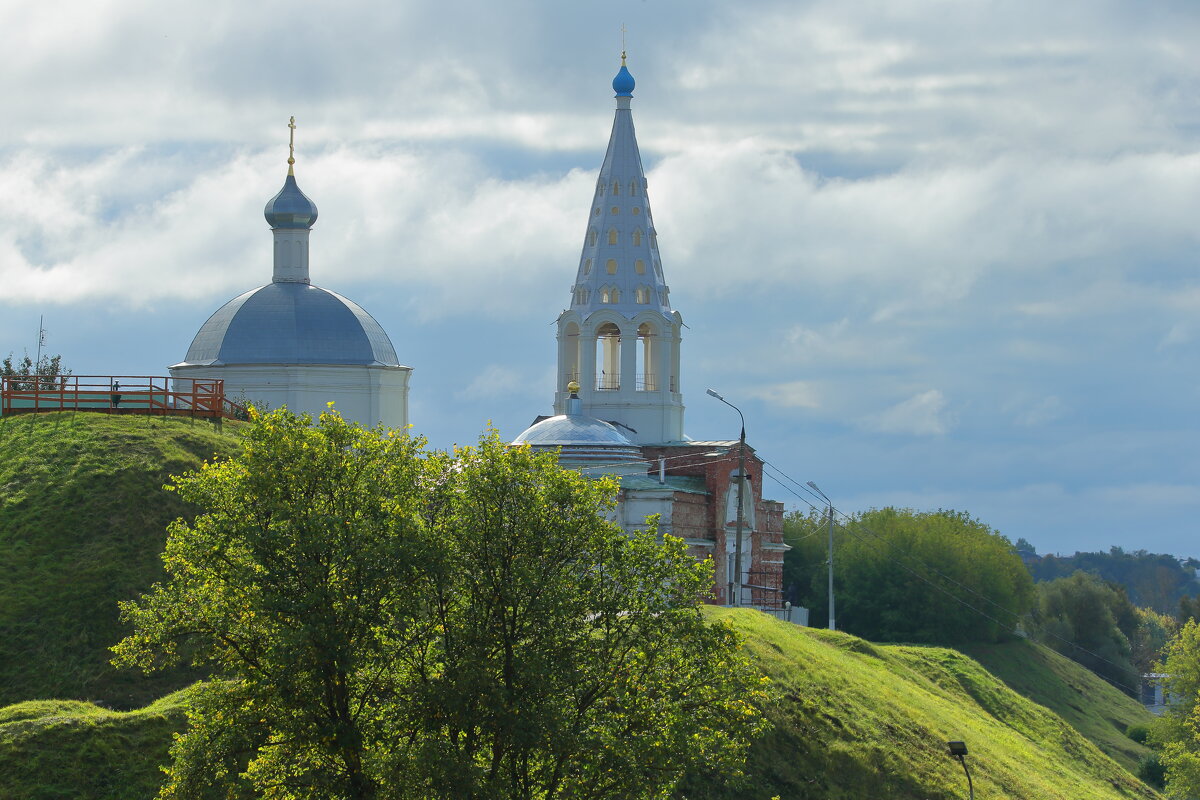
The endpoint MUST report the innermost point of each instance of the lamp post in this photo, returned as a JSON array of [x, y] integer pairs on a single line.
[[829, 502], [735, 599], [959, 750]]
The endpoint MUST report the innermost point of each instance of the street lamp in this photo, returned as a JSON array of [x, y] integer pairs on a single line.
[[829, 502], [736, 599], [959, 750]]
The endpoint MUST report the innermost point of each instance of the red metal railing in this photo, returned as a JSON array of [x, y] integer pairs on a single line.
[[118, 394]]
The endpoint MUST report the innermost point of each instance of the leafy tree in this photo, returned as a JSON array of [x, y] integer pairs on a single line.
[[385, 622], [1150, 638], [899, 575], [1189, 608], [48, 373], [1177, 732], [1091, 622], [1152, 580]]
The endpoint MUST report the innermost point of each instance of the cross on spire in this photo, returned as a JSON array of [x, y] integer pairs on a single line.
[[291, 144], [623, 44]]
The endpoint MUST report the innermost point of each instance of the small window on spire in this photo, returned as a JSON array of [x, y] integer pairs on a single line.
[[587, 266], [610, 294], [615, 211], [611, 266], [592, 237], [633, 187], [636, 211], [596, 211], [612, 235], [639, 267], [653, 239], [642, 294], [581, 296], [637, 238], [616, 187], [600, 187]]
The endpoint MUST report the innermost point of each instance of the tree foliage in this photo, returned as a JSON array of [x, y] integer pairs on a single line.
[[1177, 732], [902, 575], [48, 373], [385, 622], [1091, 622], [1152, 580]]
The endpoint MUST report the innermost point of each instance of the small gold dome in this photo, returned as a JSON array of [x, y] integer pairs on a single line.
[[573, 387]]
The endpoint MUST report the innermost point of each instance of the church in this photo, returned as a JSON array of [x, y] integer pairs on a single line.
[[619, 408], [618, 405], [290, 343]]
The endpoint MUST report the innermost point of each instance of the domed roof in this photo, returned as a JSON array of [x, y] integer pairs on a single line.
[[290, 323], [565, 430], [291, 208], [623, 84]]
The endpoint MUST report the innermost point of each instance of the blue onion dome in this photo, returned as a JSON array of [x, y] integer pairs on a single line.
[[623, 83], [291, 208]]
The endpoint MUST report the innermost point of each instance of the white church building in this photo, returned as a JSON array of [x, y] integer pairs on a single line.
[[290, 343]]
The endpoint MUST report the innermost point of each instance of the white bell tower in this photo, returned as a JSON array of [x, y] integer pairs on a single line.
[[620, 337]]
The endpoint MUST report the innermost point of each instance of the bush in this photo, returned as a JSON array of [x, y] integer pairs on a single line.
[[1151, 772], [1139, 733]]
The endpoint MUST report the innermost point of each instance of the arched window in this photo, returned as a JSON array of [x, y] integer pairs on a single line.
[[633, 187], [608, 357], [642, 294], [570, 352], [592, 237], [587, 266], [658, 268], [639, 267], [612, 235], [616, 187], [653, 239], [647, 352], [610, 266], [600, 187], [610, 294], [637, 238], [581, 295]]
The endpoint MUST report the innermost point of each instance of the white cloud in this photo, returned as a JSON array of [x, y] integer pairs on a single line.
[[923, 414]]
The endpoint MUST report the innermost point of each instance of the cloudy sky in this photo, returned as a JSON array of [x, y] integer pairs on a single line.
[[942, 254]]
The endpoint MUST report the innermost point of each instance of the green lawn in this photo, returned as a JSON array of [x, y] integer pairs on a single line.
[[82, 523]]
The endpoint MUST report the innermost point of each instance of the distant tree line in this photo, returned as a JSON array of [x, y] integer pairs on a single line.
[[1152, 580], [47, 373]]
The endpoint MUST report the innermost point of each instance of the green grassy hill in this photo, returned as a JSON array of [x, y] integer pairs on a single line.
[[1094, 707], [858, 720], [851, 720], [82, 524]]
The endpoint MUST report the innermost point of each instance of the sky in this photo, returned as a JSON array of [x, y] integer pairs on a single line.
[[941, 254]]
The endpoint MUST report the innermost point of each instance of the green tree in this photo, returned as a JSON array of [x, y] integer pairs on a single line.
[[899, 575], [1091, 622], [48, 373], [385, 622], [1153, 632], [1177, 732]]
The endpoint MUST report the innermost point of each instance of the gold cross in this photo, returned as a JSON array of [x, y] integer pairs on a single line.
[[622, 44], [291, 144]]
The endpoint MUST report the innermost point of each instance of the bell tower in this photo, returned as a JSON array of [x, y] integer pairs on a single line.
[[620, 338]]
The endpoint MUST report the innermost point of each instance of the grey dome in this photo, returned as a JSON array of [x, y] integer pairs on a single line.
[[580, 438], [290, 323], [291, 208]]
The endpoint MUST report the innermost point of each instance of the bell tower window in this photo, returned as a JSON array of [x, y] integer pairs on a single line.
[[608, 357]]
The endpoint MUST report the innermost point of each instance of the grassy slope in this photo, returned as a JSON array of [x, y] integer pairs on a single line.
[[856, 720], [82, 523], [56, 749], [1092, 706], [852, 720]]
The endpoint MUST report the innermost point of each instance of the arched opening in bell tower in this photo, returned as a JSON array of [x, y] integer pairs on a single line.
[[571, 353], [647, 358], [608, 357]]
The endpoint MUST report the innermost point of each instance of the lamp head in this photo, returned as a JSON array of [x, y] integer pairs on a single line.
[[711, 393], [957, 749]]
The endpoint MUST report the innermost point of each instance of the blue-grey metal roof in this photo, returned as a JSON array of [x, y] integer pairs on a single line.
[[572, 429], [290, 323], [291, 208]]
